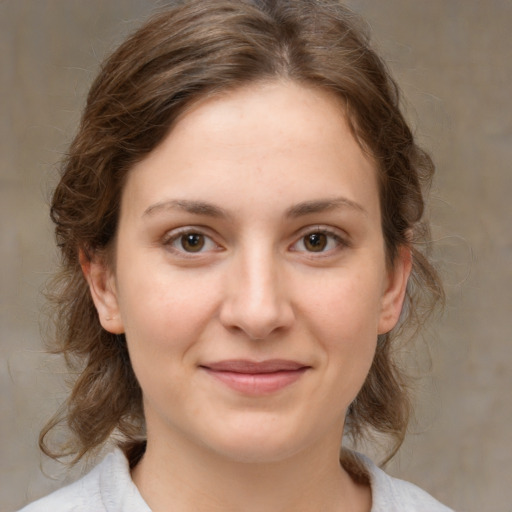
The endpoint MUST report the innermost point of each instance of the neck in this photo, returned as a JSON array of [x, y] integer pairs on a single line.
[[181, 476]]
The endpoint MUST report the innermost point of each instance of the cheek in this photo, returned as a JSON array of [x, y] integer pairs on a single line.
[[346, 305], [344, 317], [165, 312], [165, 319]]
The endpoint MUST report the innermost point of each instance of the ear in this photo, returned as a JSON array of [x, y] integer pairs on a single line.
[[102, 286], [394, 293]]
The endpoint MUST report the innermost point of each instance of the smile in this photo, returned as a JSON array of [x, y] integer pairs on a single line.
[[256, 378]]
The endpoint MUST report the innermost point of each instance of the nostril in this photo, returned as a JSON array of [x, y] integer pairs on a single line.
[[256, 323]]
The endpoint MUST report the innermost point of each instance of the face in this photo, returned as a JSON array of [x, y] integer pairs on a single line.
[[250, 274]]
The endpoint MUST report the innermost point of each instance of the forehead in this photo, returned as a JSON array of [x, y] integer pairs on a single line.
[[273, 136], [292, 111]]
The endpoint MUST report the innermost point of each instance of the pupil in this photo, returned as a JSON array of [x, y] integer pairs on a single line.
[[316, 242], [192, 242]]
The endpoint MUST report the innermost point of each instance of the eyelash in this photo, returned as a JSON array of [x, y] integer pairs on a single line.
[[331, 235], [177, 237]]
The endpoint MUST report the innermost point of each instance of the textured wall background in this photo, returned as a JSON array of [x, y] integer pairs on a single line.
[[453, 59]]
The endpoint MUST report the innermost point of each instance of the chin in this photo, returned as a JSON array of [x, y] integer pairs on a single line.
[[259, 441]]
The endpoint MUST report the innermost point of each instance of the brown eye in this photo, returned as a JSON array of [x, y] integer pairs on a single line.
[[315, 242], [192, 242], [188, 242]]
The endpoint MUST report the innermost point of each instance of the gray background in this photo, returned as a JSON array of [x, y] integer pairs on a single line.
[[453, 60]]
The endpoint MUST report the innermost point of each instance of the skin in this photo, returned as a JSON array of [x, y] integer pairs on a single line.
[[255, 176]]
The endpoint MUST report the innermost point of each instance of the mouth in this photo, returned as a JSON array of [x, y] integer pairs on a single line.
[[256, 378]]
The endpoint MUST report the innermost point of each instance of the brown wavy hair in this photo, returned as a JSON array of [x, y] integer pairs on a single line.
[[201, 48]]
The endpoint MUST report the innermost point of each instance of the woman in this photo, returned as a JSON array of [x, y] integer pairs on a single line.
[[239, 217]]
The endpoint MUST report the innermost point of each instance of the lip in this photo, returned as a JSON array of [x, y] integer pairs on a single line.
[[256, 377]]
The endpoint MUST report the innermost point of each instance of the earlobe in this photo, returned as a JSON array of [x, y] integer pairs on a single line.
[[101, 281], [394, 294]]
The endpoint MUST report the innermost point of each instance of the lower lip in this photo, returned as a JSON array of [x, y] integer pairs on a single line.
[[257, 383]]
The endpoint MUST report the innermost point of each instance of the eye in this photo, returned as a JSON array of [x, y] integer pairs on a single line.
[[315, 242], [190, 242], [318, 241]]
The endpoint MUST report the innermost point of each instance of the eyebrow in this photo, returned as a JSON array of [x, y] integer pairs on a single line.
[[210, 210], [195, 207], [323, 205]]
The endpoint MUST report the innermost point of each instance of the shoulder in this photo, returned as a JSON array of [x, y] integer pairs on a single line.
[[107, 488], [393, 495], [74, 496]]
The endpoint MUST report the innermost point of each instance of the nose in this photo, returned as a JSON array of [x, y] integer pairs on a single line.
[[255, 299]]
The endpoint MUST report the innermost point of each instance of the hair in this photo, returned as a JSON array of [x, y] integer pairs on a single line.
[[193, 50]]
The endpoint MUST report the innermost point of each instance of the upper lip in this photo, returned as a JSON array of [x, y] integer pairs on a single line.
[[254, 367]]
